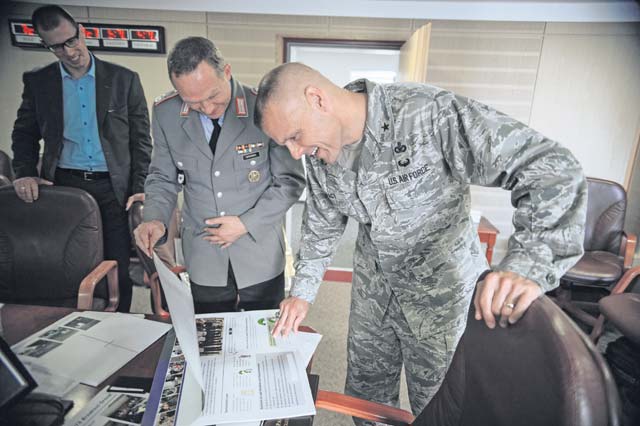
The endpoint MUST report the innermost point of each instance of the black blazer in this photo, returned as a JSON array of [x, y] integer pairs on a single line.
[[123, 125]]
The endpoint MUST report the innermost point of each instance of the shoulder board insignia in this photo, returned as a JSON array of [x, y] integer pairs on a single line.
[[254, 90], [160, 99]]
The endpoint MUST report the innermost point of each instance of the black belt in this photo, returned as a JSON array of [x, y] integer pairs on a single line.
[[85, 174]]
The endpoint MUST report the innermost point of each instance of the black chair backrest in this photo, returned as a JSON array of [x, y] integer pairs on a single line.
[[5, 165], [605, 215], [541, 371], [49, 246]]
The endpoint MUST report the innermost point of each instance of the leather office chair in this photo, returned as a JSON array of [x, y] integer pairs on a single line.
[[623, 354], [623, 310], [5, 181], [5, 166], [542, 370], [166, 252], [605, 268], [6, 172], [51, 251]]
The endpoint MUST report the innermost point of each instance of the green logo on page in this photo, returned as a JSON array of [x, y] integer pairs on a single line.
[[264, 321]]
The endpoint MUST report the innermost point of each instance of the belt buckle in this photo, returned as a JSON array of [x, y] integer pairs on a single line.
[[87, 175]]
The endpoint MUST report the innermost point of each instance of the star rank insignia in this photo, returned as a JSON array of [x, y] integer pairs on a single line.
[[385, 127]]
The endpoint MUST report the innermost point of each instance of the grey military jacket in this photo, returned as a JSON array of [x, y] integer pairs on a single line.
[[251, 177], [421, 150]]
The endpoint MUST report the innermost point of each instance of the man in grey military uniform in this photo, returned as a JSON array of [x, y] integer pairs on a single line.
[[237, 184], [399, 158]]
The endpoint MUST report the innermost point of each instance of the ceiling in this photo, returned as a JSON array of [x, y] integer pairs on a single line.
[[501, 10]]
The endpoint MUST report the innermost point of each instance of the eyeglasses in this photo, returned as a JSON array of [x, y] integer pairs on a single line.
[[70, 42]]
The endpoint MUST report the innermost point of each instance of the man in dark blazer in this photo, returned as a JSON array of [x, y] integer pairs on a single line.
[[93, 118]]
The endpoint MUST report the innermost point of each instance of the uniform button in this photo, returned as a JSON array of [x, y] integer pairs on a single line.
[[253, 162], [219, 194], [216, 173], [179, 163], [222, 213], [551, 278]]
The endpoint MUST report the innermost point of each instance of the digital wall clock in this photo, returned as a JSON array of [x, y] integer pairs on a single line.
[[109, 37]]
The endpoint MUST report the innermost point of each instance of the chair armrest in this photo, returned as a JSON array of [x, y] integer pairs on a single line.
[[89, 283], [628, 248], [156, 294], [626, 279], [622, 284], [357, 407]]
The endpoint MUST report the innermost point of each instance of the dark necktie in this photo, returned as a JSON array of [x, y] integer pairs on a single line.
[[214, 135]]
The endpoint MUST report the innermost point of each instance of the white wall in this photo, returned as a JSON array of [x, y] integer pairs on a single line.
[[588, 93], [576, 83]]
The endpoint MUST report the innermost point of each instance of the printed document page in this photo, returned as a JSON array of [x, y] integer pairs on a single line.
[[248, 374]]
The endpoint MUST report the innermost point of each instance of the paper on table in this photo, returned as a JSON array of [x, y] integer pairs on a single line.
[[71, 346], [305, 343], [110, 408], [180, 303]]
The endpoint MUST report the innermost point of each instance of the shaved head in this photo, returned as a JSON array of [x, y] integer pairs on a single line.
[[284, 84], [303, 110]]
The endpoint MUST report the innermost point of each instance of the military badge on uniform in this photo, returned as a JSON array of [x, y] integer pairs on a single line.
[[253, 176], [248, 147], [252, 155], [400, 148]]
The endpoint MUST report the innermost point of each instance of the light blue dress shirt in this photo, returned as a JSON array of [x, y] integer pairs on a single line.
[[207, 124], [81, 147]]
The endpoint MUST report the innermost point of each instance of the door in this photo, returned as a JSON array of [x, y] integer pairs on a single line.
[[414, 55]]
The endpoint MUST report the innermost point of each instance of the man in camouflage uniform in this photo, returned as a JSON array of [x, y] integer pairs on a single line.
[[399, 159]]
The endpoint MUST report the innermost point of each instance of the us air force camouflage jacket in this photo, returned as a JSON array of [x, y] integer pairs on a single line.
[[422, 148]]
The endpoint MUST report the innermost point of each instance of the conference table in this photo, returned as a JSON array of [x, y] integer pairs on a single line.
[[21, 321]]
